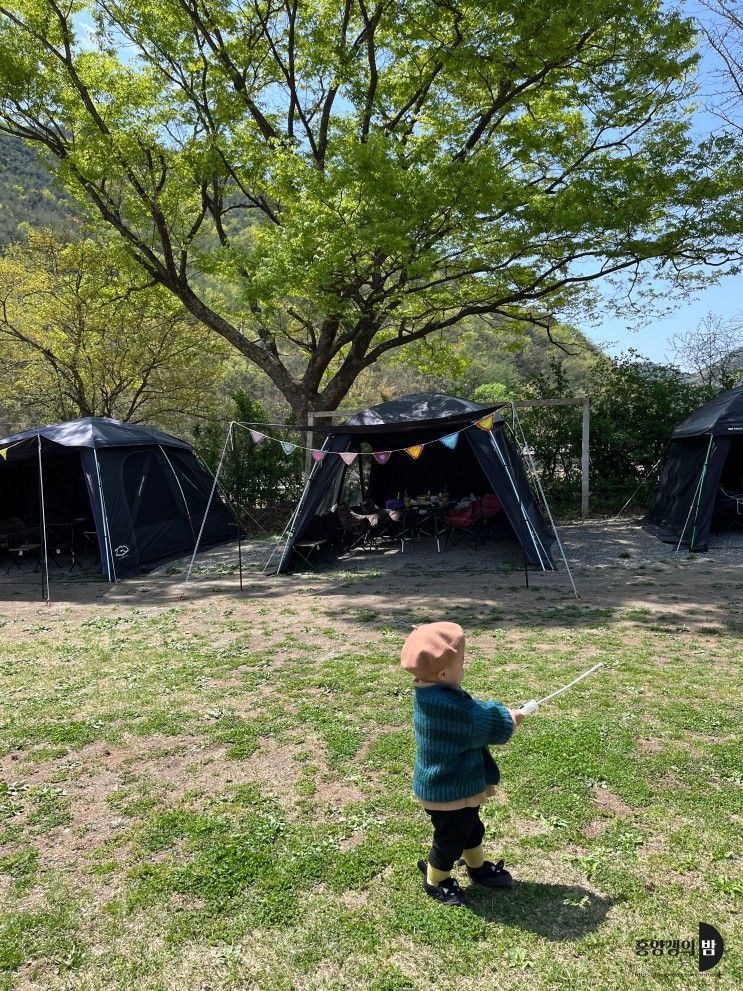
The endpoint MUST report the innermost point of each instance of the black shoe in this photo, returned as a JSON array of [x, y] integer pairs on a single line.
[[490, 875], [447, 892]]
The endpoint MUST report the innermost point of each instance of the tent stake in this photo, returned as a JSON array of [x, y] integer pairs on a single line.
[[45, 568]]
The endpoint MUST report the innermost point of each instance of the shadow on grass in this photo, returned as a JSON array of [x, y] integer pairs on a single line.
[[476, 588], [561, 912]]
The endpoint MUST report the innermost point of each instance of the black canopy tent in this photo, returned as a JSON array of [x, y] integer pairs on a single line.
[[481, 461], [143, 491], [703, 472]]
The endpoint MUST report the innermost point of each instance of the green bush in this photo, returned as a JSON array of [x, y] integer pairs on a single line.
[[635, 406], [253, 476]]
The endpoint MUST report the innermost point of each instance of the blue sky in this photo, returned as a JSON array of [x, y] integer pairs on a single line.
[[724, 299]]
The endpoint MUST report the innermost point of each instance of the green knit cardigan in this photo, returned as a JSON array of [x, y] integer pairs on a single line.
[[452, 733]]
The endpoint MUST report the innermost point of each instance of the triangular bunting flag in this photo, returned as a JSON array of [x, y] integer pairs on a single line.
[[318, 455], [349, 456], [4, 454], [257, 436], [288, 446], [382, 456], [450, 440], [415, 451], [486, 423]]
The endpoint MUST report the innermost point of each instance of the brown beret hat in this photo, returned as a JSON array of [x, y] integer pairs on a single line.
[[431, 648]]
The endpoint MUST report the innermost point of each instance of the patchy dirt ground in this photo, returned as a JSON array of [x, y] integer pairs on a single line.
[[85, 808], [614, 564]]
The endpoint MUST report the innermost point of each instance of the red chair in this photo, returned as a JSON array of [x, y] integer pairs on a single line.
[[491, 505], [462, 523]]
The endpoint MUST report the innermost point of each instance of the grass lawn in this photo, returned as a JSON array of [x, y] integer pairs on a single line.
[[215, 793]]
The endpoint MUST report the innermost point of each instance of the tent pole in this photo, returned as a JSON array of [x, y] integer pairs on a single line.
[[106, 532], [529, 525], [42, 507], [695, 499], [237, 515], [533, 467], [180, 489], [208, 504], [288, 531], [701, 489]]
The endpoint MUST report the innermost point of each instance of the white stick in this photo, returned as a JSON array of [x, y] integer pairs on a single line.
[[532, 706]]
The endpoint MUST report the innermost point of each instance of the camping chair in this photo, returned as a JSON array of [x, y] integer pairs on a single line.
[[379, 522], [307, 549], [464, 522], [353, 528], [491, 510]]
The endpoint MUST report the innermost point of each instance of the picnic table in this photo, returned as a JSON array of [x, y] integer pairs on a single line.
[[423, 517]]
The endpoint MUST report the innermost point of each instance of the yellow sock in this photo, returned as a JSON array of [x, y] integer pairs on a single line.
[[474, 857], [434, 876]]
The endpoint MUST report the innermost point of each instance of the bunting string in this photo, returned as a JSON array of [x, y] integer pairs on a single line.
[[4, 451], [381, 457]]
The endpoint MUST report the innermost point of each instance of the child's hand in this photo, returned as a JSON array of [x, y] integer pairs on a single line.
[[518, 717]]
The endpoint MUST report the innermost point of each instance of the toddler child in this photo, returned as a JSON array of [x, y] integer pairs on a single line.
[[454, 769]]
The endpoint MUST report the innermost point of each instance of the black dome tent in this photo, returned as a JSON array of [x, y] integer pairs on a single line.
[[143, 492], [481, 461], [703, 474]]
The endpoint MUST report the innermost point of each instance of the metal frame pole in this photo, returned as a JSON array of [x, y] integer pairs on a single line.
[[308, 453], [695, 499], [237, 515], [288, 531], [584, 461], [533, 468], [535, 539], [209, 504], [45, 569], [110, 566]]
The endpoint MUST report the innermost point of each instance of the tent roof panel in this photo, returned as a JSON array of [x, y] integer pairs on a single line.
[[413, 413], [98, 432], [721, 415]]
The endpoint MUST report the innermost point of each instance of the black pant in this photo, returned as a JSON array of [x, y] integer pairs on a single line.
[[454, 832]]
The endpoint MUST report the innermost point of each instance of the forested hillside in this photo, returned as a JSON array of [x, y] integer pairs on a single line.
[[27, 192]]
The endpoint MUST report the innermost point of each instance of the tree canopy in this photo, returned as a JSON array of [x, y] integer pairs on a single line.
[[79, 336], [323, 182]]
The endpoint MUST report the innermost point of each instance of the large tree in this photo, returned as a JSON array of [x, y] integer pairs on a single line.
[[321, 182], [81, 336], [722, 23]]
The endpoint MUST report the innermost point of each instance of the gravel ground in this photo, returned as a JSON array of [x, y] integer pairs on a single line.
[[599, 553], [587, 544]]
